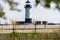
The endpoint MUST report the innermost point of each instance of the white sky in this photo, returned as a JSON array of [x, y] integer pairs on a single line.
[[38, 13]]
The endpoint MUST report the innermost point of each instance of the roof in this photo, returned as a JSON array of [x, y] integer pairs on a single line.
[[27, 1]]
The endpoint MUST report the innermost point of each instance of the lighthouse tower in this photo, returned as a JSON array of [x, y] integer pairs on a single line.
[[27, 12]]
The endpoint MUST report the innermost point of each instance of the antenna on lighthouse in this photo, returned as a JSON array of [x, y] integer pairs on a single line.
[[27, 0]]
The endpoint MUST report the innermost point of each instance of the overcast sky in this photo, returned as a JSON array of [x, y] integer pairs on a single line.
[[38, 13]]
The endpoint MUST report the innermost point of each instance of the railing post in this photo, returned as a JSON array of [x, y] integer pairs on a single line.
[[34, 22], [35, 27], [14, 28]]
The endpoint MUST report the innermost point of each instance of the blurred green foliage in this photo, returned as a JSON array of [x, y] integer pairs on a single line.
[[47, 3], [31, 36], [1, 12], [12, 5]]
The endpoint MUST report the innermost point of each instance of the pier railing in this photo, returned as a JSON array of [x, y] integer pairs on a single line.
[[29, 28]]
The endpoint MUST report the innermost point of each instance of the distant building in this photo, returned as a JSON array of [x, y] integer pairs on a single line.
[[20, 22], [38, 22], [41, 22], [51, 24], [44, 22]]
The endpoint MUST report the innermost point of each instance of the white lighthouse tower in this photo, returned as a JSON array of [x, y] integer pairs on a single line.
[[27, 12]]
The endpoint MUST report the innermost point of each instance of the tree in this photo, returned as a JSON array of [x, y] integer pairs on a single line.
[[12, 5], [47, 3], [2, 14]]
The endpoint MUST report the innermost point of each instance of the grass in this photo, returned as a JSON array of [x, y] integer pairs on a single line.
[[31, 36], [39, 36]]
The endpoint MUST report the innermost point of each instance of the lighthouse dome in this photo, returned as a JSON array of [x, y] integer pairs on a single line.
[[27, 1]]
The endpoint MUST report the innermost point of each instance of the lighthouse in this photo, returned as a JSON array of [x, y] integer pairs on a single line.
[[27, 12]]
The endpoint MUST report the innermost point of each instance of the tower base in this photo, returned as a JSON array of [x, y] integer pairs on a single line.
[[28, 20]]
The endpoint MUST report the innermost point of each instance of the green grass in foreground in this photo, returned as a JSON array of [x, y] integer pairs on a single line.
[[31, 36]]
